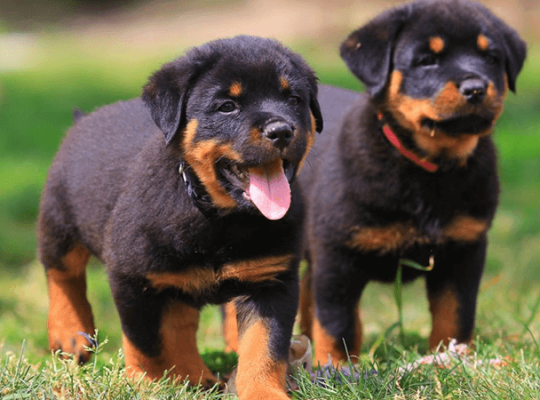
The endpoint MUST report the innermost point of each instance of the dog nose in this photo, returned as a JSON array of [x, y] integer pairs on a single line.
[[279, 133], [474, 90]]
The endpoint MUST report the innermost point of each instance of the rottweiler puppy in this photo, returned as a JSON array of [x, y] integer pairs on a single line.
[[187, 196], [410, 173]]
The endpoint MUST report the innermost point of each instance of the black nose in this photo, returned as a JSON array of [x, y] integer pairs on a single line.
[[474, 90], [279, 133]]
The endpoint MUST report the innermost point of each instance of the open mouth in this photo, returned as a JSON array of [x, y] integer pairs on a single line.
[[267, 186], [471, 124]]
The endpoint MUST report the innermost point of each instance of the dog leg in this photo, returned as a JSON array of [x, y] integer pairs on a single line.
[[230, 327], [69, 309], [265, 325], [306, 305], [337, 329], [452, 290], [159, 334], [179, 354]]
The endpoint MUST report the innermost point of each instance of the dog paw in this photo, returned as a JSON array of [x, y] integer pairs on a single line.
[[72, 345]]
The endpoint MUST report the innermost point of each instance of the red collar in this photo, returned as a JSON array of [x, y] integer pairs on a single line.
[[394, 140]]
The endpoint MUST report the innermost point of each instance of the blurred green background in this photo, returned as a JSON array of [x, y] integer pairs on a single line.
[[58, 55]]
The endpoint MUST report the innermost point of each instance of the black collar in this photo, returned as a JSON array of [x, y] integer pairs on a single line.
[[196, 191]]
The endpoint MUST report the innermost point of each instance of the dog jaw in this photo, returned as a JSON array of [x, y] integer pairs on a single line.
[[426, 118], [222, 170]]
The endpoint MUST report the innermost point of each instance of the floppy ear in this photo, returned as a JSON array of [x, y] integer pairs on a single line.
[[165, 95], [516, 51], [315, 108], [312, 80], [515, 48], [368, 51], [307, 75], [167, 90]]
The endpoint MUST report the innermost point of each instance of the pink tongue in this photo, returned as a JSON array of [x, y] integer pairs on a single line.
[[269, 189]]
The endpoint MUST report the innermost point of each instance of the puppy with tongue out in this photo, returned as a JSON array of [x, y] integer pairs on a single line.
[[188, 197], [266, 130], [243, 133]]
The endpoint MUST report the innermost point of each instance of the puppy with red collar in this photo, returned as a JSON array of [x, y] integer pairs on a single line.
[[409, 172]]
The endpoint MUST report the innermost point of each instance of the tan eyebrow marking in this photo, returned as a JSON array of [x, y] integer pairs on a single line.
[[235, 89], [284, 83], [482, 42], [436, 44]]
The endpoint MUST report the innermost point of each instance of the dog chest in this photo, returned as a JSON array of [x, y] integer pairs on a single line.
[[204, 281], [400, 236]]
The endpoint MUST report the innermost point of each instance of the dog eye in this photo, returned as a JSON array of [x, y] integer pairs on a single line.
[[426, 61], [492, 58], [227, 107], [294, 100]]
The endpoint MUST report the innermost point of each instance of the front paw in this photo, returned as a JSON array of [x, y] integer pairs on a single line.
[[69, 343]]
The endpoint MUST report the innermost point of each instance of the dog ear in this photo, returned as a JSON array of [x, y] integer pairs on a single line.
[[314, 106], [308, 74], [316, 110], [515, 48], [167, 90], [368, 51], [165, 95], [516, 51]]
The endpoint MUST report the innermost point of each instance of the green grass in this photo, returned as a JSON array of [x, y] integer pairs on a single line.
[[35, 110], [384, 377]]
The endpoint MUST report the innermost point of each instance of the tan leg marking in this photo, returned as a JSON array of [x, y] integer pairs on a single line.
[[326, 346], [230, 328], [259, 377], [444, 315], [69, 309], [179, 354]]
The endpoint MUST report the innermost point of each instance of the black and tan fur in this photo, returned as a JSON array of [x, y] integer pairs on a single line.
[[436, 73], [156, 189]]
